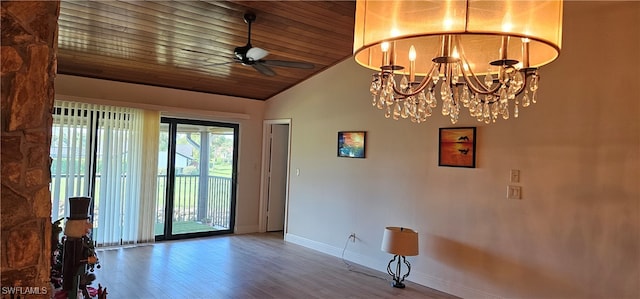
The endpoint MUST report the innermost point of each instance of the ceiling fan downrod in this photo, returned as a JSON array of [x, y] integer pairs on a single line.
[[249, 18], [241, 52]]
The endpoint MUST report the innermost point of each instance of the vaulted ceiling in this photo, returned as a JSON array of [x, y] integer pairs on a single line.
[[190, 44]]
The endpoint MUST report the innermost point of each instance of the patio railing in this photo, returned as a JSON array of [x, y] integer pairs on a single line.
[[208, 208], [208, 204]]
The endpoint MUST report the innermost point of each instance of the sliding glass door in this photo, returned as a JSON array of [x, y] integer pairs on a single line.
[[96, 151], [196, 178]]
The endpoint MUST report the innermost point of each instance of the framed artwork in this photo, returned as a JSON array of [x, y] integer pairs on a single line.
[[457, 147], [351, 144]]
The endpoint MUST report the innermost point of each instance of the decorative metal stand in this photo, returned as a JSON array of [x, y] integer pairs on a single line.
[[397, 280]]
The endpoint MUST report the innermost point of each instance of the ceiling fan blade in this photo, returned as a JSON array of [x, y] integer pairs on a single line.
[[194, 51], [263, 69], [218, 63], [256, 54], [293, 64]]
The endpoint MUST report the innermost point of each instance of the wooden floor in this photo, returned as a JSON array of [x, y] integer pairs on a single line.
[[240, 266]]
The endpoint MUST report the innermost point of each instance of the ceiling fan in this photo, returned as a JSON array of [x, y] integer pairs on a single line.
[[253, 56]]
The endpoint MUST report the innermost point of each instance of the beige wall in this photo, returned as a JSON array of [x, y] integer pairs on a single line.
[[575, 233], [180, 103]]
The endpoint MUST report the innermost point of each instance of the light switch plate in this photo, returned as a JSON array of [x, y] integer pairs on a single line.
[[515, 176], [514, 192]]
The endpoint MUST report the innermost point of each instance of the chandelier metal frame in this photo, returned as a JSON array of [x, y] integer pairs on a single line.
[[459, 86]]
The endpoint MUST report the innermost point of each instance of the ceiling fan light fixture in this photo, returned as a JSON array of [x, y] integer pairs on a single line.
[[256, 53]]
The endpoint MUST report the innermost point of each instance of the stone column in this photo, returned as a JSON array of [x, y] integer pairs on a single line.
[[29, 44]]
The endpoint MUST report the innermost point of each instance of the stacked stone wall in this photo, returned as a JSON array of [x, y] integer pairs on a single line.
[[28, 54]]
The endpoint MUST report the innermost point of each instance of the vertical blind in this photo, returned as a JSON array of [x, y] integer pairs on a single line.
[[149, 176], [98, 151], [70, 154]]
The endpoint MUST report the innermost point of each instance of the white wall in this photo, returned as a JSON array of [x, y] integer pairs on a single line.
[[575, 233], [180, 103]]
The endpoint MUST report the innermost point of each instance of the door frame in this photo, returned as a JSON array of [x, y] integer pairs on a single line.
[[264, 182], [173, 122]]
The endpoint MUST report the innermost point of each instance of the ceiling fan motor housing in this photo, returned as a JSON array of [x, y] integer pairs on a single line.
[[249, 17], [241, 54]]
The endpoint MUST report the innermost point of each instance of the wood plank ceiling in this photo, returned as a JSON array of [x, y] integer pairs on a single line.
[[189, 44]]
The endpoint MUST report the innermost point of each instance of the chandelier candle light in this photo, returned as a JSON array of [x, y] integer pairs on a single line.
[[481, 55]]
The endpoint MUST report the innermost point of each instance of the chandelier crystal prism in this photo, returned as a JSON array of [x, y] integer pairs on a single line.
[[479, 55]]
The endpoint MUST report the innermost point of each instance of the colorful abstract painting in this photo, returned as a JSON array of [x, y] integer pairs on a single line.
[[351, 144]]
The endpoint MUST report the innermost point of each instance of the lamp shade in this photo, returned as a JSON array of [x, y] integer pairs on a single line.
[[479, 25], [400, 240]]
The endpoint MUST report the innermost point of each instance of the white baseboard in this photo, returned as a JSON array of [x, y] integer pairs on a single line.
[[418, 277], [317, 246], [245, 229], [448, 287]]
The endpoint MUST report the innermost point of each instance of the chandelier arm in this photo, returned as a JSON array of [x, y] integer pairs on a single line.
[[463, 60], [473, 87], [448, 73], [425, 81], [452, 85]]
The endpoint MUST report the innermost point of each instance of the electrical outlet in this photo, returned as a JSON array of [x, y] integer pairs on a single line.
[[352, 236], [514, 192]]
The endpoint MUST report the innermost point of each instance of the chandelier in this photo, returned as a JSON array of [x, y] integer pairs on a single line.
[[480, 55]]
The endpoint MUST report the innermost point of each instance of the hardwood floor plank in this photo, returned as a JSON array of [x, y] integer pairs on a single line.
[[240, 266]]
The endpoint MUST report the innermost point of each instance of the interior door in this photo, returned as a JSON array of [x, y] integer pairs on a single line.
[[278, 165]]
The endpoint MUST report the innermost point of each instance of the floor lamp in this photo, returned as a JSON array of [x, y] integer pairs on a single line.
[[401, 242]]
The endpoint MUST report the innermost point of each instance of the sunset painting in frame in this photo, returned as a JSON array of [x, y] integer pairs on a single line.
[[351, 144], [457, 147]]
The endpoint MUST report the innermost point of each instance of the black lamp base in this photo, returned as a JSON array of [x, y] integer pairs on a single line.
[[397, 284], [398, 279]]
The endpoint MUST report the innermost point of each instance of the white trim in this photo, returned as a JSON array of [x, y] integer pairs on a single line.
[[262, 217], [245, 229], [418, 277], [168, 111], [317, 246], [449, 287], [337, 252]]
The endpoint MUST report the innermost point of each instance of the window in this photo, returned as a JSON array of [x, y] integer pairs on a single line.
[[97, 151]]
